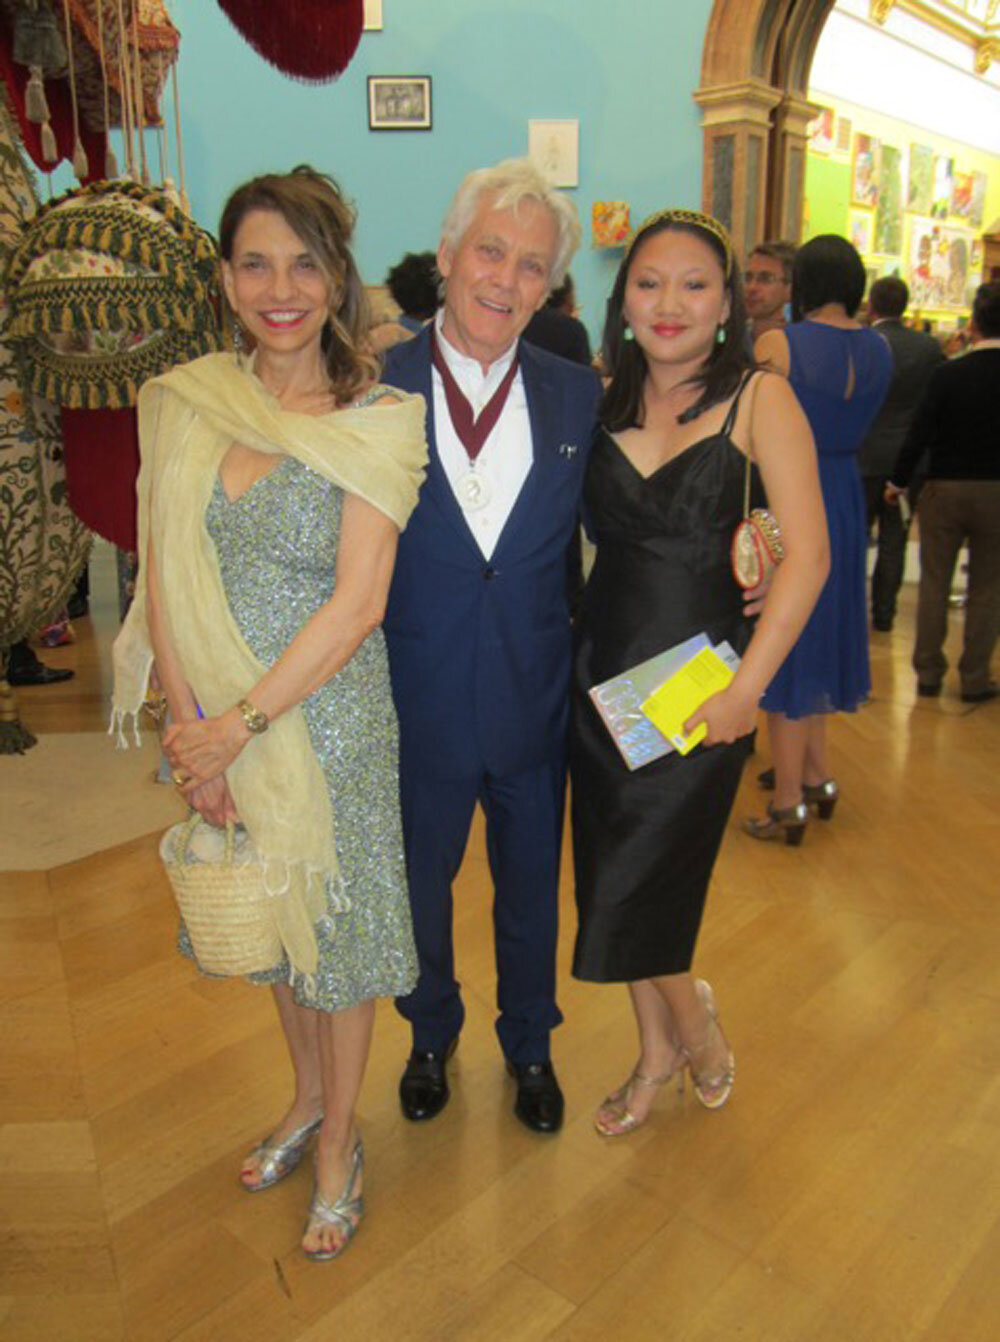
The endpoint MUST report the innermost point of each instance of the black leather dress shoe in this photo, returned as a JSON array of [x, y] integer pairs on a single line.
[[981, 696], [423, 1087], [539, 1103], [39, 674]]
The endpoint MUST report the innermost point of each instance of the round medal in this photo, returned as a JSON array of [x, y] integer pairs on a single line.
[[473, 491]]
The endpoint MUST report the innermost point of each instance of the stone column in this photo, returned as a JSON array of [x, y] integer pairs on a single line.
[[791, 119], [737, 123]]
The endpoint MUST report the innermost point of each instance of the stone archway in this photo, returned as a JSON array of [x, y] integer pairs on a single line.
[[754, 76]]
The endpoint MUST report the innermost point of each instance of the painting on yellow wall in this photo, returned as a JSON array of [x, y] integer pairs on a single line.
[[821, 131], [944, 176], [940, 259], [889, 209], [920, 187], [864, 174], [859, 230], [968, 196]]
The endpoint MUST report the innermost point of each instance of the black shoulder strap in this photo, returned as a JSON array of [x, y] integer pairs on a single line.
[[727, 427]]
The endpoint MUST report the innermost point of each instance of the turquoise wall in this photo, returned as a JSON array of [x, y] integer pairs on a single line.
[[625, 71]]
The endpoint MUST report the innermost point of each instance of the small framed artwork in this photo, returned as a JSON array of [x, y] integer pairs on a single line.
[[553, 147], [373, 16], [609, 223], [822, 131], [399, 102]]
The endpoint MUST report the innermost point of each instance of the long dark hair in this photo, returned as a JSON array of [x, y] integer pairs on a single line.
[[720, 374], [313, 207]]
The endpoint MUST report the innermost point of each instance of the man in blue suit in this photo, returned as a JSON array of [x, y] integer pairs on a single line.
[[478, 626]]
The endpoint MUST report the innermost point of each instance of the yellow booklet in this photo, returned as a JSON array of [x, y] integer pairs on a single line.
[[678, 698]]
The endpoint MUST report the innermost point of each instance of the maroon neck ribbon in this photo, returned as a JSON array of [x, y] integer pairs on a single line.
[[472, 433]]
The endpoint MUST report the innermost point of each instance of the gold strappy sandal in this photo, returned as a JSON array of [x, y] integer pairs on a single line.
[[712, 1091], [623, 1121]]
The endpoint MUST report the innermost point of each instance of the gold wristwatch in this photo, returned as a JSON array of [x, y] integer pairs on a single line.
[[256, 719]]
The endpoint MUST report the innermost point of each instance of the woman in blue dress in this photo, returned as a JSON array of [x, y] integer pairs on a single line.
[[840, 372]]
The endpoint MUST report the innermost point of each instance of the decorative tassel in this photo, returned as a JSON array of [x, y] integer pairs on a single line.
[[36, 105], [81, 167], [50, 150], [315, 48], [110, 162]]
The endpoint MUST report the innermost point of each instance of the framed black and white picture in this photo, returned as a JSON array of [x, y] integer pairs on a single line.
[[399, 102]]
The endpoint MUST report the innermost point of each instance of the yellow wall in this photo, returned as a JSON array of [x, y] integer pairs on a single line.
[[828, 207]]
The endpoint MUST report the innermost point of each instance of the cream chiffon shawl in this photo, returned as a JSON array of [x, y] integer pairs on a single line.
[[187, 421]]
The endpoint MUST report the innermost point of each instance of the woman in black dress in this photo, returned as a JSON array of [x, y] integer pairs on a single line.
[[664, 493]]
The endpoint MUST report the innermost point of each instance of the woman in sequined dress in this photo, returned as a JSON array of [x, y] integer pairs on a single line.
[[315, 471]]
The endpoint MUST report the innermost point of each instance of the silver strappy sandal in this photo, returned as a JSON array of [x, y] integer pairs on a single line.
[[344, 1215], [276, 1160]]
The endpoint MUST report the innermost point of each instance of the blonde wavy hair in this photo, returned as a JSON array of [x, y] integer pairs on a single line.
[[315, 209]]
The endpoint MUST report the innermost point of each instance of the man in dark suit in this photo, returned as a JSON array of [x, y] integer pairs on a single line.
[[958, 425], [914, 356], [477, 622]]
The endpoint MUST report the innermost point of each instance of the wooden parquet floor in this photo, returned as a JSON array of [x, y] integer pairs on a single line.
[[850, 1190]]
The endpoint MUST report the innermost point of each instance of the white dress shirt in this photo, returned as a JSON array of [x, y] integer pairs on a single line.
[[505, 458]]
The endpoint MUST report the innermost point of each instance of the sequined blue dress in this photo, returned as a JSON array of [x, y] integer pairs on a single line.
[[277, 551], [840, 377]]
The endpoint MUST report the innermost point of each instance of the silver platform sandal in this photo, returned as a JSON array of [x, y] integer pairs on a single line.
[[344, 1215], [276, 1160]]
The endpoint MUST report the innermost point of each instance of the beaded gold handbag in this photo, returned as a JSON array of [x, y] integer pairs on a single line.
[[756, 550], [218, 883]]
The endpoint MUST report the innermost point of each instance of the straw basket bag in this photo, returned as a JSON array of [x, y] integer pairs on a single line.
[[219, 887]]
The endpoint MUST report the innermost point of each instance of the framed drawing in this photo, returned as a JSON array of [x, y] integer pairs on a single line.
[[554, 148], [865, 170], [399, 102]]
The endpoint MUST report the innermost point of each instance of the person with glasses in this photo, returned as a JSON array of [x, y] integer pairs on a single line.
[[767, 284]]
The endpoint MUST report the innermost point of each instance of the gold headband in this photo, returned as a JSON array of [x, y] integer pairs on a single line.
[[694, 217]]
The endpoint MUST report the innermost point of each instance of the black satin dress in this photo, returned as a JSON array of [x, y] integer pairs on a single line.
[[644, 843]]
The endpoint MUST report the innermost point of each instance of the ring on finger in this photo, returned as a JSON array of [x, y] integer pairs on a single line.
[[179, 779]]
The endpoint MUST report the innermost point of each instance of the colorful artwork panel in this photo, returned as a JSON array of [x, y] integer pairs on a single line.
[[889, 209], [821, 131], [859, 230], [920, 186], [865, 174], [944, 173], [940, 265]]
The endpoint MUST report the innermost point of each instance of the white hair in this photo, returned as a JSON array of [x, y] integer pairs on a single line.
[[509, 183]]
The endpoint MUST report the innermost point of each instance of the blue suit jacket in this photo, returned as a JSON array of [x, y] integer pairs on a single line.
[[480, 650]]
